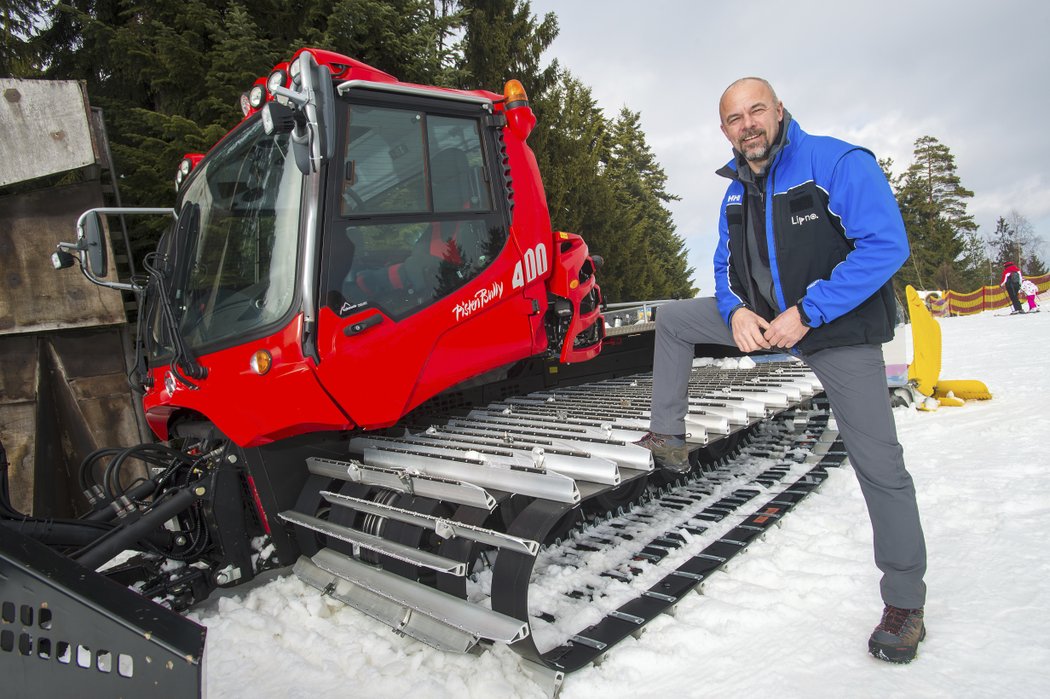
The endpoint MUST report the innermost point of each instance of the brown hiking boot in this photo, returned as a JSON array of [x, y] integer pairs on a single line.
[[896, 638], [670, 453]]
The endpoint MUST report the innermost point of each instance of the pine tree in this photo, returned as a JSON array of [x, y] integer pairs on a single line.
[[402, 37], [242, 53], [504, 40], [571, 158], [933, 203], [657, 267], [1003, 242], [19, 52], [934, 167]]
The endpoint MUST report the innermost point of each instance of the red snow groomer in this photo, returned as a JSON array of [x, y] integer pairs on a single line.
[[356, 246]]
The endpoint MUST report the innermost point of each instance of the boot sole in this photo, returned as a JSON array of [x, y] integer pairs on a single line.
[[896, 654]]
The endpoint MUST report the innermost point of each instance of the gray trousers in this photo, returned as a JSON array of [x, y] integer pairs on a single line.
[[854, 379]]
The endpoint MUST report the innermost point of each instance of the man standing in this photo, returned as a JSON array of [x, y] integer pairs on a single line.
[[810, 236]]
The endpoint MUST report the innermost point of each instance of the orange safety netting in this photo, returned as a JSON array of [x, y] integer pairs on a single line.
[[954, 303]]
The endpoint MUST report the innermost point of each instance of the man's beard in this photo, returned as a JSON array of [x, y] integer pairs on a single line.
[[759, 151]]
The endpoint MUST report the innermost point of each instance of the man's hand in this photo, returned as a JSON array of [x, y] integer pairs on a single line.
[[786, 329], [748, 328]]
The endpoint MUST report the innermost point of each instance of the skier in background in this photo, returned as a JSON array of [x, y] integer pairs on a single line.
[[1011, 281], [1029, 289]]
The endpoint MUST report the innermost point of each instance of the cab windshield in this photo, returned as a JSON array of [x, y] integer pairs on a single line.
[[233, 254]]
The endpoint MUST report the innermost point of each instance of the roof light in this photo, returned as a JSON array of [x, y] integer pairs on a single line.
[[278, 78], [246, 106], [257, 96], [296, 70], [186, 165], [520, 118], [514, 93], [277, 118]]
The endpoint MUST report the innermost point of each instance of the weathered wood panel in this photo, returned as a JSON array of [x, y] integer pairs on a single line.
[[62, 396], [45, 127], [33, 295]]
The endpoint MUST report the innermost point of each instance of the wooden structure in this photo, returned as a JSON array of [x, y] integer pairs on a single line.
[[63, 340]]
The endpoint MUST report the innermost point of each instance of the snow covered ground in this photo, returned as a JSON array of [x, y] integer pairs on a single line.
[[790, 617]]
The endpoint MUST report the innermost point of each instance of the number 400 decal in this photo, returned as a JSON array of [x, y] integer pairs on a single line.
[[533, 265]]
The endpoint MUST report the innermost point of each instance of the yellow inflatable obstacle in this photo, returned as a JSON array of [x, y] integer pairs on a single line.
[[925, 370]]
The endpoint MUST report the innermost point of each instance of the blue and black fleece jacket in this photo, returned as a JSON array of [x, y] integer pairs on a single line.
[[835, 238]]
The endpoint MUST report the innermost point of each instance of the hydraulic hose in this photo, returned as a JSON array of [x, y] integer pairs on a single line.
[[124, 537]]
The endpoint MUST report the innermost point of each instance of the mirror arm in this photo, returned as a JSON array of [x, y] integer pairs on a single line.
[[299, 98], [80, 249]]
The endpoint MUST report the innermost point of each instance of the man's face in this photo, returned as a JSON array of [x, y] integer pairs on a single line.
[[751, 120]]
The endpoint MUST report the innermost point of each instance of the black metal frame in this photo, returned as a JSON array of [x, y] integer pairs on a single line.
[[66, 631]]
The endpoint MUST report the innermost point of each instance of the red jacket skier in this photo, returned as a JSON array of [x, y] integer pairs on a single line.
[[1011, 281]]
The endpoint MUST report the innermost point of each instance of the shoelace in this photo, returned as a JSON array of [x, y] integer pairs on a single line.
[[894, 618], [651, 438]]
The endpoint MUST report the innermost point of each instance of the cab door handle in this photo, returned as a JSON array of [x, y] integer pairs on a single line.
[[362, 325]]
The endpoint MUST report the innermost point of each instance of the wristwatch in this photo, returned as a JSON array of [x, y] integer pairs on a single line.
[[802, 314]]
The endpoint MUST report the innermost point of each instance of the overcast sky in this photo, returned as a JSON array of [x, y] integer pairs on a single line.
[[974, 74]]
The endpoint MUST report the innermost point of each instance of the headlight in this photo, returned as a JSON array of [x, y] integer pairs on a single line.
[[278, 78], [257, 96]]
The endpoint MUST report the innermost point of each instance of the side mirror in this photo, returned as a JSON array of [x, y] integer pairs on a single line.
[[90, 235], [313, 114], [90, 247]]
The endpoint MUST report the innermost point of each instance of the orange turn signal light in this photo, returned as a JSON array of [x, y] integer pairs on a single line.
[[261, 362]]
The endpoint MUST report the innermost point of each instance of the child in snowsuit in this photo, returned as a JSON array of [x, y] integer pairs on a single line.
[[1011, 281], [1029, 289]]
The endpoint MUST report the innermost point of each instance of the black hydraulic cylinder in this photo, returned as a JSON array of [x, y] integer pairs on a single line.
[[54, 533], [124, 537], [66, 533]]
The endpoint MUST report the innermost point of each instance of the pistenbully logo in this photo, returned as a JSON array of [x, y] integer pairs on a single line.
[[481, 299]]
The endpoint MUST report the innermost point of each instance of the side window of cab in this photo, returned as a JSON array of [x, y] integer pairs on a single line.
[[415, 218]]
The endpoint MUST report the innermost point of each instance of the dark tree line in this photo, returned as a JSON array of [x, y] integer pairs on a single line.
[[168, 77]]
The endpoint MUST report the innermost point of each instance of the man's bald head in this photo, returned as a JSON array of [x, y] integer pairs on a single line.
[[751, 116]]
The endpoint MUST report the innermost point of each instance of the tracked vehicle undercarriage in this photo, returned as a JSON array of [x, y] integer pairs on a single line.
[[531, 521]]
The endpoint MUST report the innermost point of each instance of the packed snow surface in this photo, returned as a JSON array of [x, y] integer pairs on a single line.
[[790, 616]]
